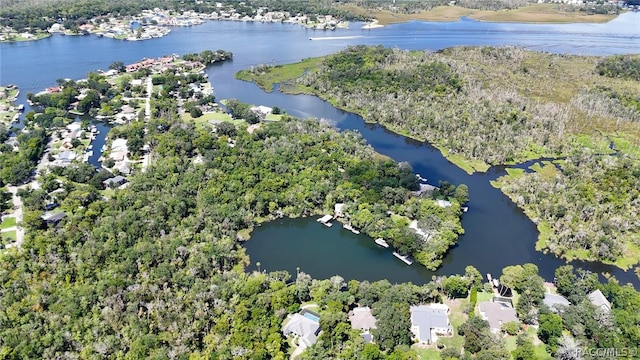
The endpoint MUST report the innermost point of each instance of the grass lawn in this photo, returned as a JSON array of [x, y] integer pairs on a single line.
[[536, 13], [8, 222], [9, 236], [457, 317], [484, 296], [212, 116], [272, 75], [427, 354], [274, 117]]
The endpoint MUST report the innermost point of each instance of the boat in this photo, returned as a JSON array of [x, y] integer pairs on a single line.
[[103, 148], [21, 107], [351, 228], [465, 208], [381, 242], [405, 259]]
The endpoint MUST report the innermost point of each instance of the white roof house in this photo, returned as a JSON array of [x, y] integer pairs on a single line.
[[305, 328], [428, 321], [598, 299]]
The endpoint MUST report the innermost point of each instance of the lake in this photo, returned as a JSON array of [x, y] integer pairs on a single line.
[[497, 232]]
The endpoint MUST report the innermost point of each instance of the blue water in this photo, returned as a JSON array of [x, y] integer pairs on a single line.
[[497, 232], [311, 316]]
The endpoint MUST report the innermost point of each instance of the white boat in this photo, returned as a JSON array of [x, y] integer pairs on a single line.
[[350, 228], [405, 259], [381, 242]]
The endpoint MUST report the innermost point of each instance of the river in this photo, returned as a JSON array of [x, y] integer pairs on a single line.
[[497, 232]]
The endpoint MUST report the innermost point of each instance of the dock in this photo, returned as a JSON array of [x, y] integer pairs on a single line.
[[326, 220], [381, 242], [404, 258]]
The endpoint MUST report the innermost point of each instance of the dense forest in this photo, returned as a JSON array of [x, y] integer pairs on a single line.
[[487, 105], [155, 271], [587, 208], [176, 228]]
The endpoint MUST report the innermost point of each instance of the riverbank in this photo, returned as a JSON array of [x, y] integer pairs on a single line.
[[570, 106], [535, 13]]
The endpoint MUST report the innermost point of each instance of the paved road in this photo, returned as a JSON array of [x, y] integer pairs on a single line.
[[17, 205]]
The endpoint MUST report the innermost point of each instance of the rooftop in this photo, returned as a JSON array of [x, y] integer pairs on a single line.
[[425, 318], [362, 318], [497, 313]]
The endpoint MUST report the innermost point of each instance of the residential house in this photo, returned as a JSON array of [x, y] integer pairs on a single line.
[[305, 326], [53, 219], [555, 302], [115, 181], [338, 210], [598, 299], [361, 318], [429, 321], [497, 313]]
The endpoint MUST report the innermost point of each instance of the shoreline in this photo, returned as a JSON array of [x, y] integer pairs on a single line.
[[532, 14]]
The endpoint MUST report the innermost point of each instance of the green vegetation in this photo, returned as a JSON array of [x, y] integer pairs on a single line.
[[266, 76], [8, 236], [589, 205], [495, 11], [8, 222], [620, 66], [485, 105]]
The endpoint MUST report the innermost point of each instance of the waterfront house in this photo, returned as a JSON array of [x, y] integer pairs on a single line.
[[338, 210], [429, 321], [305, 326], [555, 302], [598, 299], [424, 188], [497, 313]]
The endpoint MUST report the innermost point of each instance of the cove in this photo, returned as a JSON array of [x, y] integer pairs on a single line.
[[497, 232]]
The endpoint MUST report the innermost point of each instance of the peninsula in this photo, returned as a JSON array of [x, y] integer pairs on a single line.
[[489, 106]]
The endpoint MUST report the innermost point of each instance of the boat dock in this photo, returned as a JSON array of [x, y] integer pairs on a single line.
[[326, 220], [404, 258]]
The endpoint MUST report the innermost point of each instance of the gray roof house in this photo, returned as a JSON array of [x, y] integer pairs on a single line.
[[361, 318], [53, 219], [116, 181], [306, 328], [555, 301], [428, 321], [598, 299], [497, 313]]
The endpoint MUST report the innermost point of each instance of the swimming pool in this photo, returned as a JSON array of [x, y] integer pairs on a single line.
[[311, 316]]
